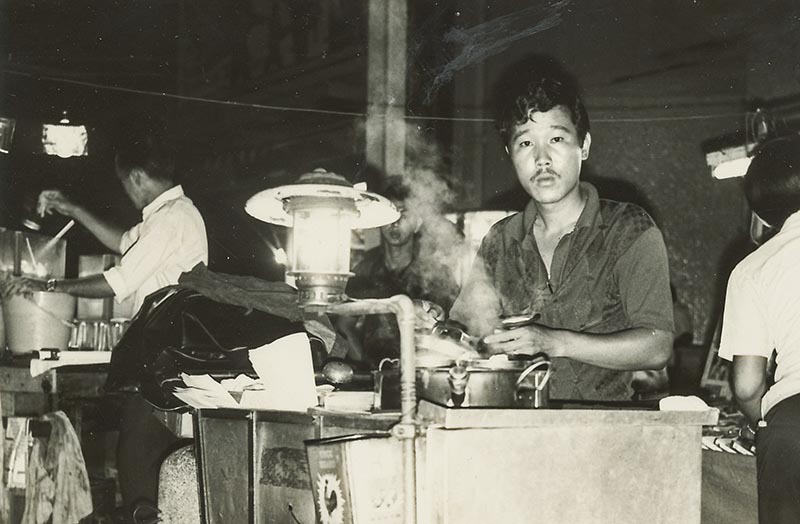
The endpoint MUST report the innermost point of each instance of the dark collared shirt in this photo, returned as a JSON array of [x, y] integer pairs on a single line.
[[608, 275]]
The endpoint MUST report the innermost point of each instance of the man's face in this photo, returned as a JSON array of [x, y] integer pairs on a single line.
[[131, 183], [402, 231], [547, 155]]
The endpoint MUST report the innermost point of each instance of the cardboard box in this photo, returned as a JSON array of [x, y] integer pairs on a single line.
[[357, 479]]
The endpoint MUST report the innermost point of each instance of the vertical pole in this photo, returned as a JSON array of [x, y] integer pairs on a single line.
[[407, 430], [17, 270], [386, 85]]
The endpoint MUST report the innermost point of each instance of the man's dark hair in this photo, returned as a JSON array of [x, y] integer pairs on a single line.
[[538, 85], [772, 182], [145, 146], [395, 188]]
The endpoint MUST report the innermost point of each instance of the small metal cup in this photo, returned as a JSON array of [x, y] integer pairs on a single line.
[[101, 336], [80, 335], [117, 328]]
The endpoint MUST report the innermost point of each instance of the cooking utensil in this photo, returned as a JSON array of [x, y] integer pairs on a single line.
[[515, 321], [456, 332], [337, 371], [430, 346], [64, 230], [520, 382]]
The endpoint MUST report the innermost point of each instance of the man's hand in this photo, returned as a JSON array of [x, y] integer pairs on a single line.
[[529, 340], [427, 314], [54, 200], [107, 233], [11, 285], [628, 350]]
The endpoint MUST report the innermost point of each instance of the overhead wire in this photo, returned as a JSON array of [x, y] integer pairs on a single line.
[[252, 105]]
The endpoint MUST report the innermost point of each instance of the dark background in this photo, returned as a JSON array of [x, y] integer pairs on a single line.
[[661, 78]]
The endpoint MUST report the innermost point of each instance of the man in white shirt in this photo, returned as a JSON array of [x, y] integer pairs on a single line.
[[762, 316], [170, 239]]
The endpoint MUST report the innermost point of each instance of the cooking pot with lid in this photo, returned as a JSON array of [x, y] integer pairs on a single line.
[[519, 381]]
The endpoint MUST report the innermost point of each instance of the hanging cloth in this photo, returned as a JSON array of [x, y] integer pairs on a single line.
[[57, 482]]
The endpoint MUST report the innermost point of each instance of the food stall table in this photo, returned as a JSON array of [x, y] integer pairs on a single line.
[[473, 465], [562, 465], [24, 394]]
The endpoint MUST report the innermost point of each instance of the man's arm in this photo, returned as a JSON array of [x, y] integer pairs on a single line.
[[110, 235], [631, 349], [749, 385], [93, 286], [107, 233], [745, 341]]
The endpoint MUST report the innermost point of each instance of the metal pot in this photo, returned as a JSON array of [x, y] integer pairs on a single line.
[[520, 382], [42, 320]]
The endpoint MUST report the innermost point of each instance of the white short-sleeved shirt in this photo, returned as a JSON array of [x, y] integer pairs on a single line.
[[170, 239], [762, 310]]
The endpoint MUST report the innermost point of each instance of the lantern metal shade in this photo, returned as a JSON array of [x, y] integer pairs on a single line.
[[373, 210], [322, 209]]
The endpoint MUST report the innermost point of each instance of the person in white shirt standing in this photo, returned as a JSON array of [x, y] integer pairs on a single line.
[[170, 239], [762, 316]]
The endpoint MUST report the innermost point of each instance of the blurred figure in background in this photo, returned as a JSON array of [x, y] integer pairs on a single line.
[[762, 316], [405, 263]]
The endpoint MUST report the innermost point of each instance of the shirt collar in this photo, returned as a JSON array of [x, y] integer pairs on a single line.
[[589, 216], [172, 193], [793, 221]]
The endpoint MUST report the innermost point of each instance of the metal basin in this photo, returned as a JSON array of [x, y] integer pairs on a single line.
[[517, 383]]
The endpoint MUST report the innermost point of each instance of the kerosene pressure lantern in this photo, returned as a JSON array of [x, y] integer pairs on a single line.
[[322, 209]]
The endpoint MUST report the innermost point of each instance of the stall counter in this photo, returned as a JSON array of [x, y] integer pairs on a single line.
[[473, 465]]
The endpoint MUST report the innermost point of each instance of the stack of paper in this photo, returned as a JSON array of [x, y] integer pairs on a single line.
[[285, 381]]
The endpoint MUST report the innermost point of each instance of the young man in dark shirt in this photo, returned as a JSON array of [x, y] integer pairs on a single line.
[[594, 270]]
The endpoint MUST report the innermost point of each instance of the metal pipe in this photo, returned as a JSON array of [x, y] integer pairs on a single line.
[[17, 253], [406, 430]]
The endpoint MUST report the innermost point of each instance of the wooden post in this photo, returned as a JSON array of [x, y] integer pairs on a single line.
[[386, 85]]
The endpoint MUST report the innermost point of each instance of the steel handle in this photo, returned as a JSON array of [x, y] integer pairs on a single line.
[[530, 369]]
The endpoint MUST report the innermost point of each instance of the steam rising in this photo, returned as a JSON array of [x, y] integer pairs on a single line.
[[441, 246], [445, 253]]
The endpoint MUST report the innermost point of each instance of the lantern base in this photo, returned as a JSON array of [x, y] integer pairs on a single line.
[[318, 290]]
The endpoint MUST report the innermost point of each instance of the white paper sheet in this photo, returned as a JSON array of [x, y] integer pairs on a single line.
[[286, 380], [287, 373], [203, 391]]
